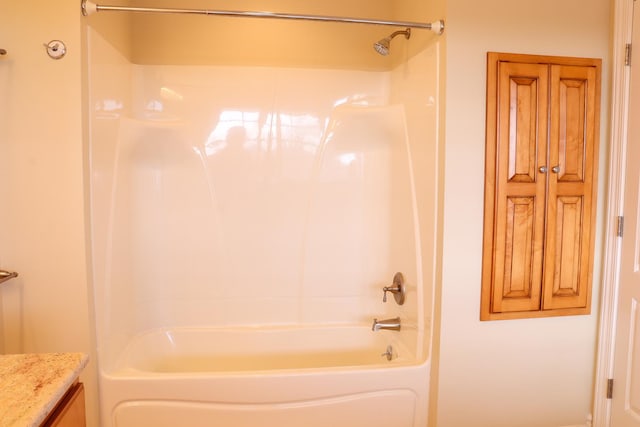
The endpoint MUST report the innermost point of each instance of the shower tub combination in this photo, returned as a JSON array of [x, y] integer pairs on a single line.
[[244, 237], [269, 377]]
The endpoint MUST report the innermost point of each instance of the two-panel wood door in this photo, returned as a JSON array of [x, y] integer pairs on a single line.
[[541, 157]]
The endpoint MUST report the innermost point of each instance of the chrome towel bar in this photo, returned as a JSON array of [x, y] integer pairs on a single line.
[[6, 275]]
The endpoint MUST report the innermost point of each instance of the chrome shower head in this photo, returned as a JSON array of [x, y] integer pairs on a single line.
[[382, 46]]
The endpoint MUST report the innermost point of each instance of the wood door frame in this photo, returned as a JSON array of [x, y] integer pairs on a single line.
[[622, 29]]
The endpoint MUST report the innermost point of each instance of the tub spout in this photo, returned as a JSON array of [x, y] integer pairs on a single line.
[[391, 324]]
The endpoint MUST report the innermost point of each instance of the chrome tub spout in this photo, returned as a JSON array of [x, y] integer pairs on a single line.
[[390, 324]]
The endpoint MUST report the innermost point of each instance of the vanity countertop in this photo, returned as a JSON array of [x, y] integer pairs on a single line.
[[32, 384]]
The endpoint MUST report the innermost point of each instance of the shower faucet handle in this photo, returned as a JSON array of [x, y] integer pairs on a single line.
[[386, 289], [397, 289], [6, 275]]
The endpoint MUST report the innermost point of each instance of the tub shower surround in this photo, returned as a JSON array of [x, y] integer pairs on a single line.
[[245, 223]]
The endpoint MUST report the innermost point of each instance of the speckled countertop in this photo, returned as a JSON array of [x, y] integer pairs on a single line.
[[32, 384]]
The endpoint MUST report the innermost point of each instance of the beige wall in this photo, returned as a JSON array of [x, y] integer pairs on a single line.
[[194, 40], [525, 372], [529, 373], [172, 39], [41, 184], [176, 39]]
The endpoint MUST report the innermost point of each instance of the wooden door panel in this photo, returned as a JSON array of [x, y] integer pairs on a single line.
[[522, 138], [572, 129], [521, 149], [517, 290], [570, 207], [565, 288], [540, 169]]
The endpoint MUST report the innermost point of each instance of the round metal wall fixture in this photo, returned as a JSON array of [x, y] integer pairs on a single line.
[[398, 283], [56, 49]]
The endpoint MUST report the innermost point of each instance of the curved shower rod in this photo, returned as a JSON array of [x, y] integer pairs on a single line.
[[89, 8]]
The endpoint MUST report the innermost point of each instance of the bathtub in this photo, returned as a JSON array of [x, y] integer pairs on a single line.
[[222, 198], [266, 376]]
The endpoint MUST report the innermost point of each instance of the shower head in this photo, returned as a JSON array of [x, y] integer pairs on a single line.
[[382, 46]]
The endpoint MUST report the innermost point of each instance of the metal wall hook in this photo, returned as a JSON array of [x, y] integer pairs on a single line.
[[56, 49]]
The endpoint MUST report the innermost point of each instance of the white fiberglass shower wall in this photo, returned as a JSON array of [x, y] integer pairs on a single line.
[[239, 197]]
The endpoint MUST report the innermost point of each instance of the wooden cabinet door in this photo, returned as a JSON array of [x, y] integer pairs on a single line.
[[520, 186], [571, 175], [540, 180], [70, 411]]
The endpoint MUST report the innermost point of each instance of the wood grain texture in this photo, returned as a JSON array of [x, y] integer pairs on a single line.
[[540, 168]]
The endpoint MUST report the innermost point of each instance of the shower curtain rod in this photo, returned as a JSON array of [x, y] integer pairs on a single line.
[[89, 8]]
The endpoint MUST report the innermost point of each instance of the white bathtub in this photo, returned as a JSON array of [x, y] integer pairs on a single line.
[[220, 197], [284, 377]]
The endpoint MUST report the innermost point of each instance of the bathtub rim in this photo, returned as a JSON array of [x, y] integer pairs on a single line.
[[118, 367]]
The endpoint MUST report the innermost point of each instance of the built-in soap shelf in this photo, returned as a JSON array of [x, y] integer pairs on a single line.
[[6, 275]]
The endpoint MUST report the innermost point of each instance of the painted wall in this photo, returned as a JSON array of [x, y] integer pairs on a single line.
[[526, 373], [41, 185], [204, 40]]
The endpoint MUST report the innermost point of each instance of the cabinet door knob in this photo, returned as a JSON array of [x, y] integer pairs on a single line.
[[555, 169], [543, 169]]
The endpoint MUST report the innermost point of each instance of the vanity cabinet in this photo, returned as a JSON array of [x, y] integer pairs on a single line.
[[42, 389], [70, 411], [540, 185]]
